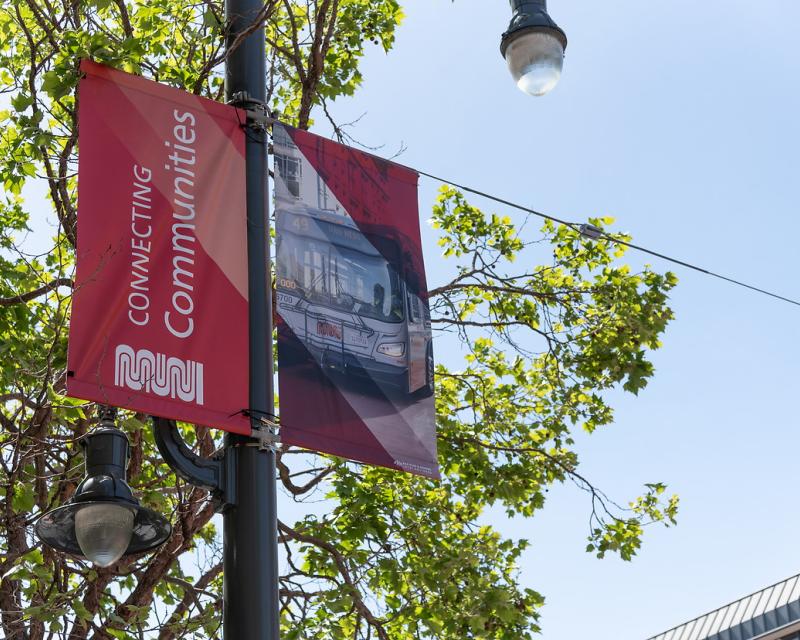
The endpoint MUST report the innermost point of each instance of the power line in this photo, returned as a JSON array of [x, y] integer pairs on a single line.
[[594, 232], [591, 231]]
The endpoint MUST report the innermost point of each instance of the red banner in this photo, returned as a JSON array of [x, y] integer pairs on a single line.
[[354, 331], [160, 311]]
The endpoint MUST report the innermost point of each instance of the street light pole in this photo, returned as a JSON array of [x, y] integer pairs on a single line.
[[250, 547], [104, 521]]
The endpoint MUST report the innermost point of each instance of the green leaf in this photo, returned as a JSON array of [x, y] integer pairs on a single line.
[[21, 101]]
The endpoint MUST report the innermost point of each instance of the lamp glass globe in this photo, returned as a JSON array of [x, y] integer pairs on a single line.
[[535, 59], [104, 531]]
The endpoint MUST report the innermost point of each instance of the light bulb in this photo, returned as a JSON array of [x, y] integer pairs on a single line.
[[104, 531], [535, 59]]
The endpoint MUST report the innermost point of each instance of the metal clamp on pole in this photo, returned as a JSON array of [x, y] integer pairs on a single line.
[[243, 100], [260, 117], [267, 434], [256, 111]]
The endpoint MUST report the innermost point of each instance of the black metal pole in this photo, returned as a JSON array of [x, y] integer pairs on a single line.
[[250, 547]]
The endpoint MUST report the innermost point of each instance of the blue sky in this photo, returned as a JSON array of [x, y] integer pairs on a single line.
[[682, 120]]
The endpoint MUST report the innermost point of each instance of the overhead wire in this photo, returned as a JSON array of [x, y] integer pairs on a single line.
[[594, 232]]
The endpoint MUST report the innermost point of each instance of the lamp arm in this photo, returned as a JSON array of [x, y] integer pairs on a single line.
[[217, 475]]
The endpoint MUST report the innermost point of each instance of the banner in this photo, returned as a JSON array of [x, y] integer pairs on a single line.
[[354, 333], [160, 311]]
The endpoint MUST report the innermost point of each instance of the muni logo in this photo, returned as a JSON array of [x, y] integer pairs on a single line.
[[144, 370]]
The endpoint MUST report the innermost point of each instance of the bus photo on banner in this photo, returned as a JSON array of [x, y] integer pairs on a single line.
[[355, 350]]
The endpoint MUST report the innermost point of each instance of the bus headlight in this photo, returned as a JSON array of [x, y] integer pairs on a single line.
[[392, 349]]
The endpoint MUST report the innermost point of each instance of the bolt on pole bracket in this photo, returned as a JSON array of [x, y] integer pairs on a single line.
[[258, 115], [243, 100], [267, 434]]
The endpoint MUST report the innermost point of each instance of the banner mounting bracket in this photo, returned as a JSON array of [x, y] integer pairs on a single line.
[[267, 434], [260, 117], [255, 110]]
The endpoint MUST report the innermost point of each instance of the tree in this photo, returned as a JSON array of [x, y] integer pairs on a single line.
[[394, 556]]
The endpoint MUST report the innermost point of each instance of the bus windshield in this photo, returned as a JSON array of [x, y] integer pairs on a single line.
[[339, 277]]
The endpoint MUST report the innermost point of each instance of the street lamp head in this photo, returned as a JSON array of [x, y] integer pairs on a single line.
[[533, 46], [103, 521]]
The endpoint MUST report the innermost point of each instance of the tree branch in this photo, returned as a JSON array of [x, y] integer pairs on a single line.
[[30, 295]]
